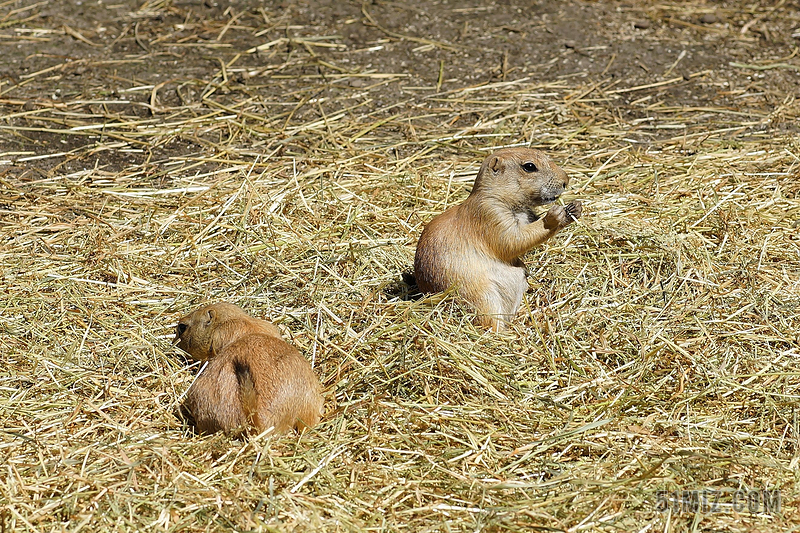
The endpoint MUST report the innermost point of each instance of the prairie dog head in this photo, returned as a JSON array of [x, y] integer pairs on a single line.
[[521, 178], [208, 329]]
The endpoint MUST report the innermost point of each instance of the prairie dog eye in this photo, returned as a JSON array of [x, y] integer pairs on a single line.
[[529, 167]]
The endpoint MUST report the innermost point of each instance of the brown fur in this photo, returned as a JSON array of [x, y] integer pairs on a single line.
[[253, 377], [476, 246]]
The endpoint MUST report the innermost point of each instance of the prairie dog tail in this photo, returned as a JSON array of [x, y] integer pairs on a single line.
[[247, 393]]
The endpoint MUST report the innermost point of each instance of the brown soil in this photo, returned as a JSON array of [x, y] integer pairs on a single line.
[[90, 63]]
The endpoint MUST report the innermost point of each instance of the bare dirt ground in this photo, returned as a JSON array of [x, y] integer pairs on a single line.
[[286, 155]]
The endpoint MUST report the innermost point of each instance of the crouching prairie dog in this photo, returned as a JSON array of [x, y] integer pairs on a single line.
[[475, 247], [253, 377]]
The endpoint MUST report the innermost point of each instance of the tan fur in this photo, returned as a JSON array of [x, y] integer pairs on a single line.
[[476, 246], [253, 377]]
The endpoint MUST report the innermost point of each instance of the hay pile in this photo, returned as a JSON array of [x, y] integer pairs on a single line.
[[657, 348]]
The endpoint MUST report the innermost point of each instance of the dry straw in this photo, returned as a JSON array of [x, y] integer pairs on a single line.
[[656, 349]]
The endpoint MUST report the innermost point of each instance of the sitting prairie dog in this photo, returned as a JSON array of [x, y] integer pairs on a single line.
[[253, 377], [476, 246]]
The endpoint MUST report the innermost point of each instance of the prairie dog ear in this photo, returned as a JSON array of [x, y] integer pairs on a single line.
[[496, 163], [210, 315]]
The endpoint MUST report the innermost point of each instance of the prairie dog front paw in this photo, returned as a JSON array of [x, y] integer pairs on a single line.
[[560, 216], [574, 211]]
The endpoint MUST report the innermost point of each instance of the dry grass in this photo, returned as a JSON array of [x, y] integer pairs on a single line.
[[657, 348]]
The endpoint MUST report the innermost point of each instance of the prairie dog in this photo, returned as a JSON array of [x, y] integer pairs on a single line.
[[253, 377], [476, 246]]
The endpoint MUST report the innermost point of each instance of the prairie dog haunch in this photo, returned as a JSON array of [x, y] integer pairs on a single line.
[[476, 246], [253, 377]]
